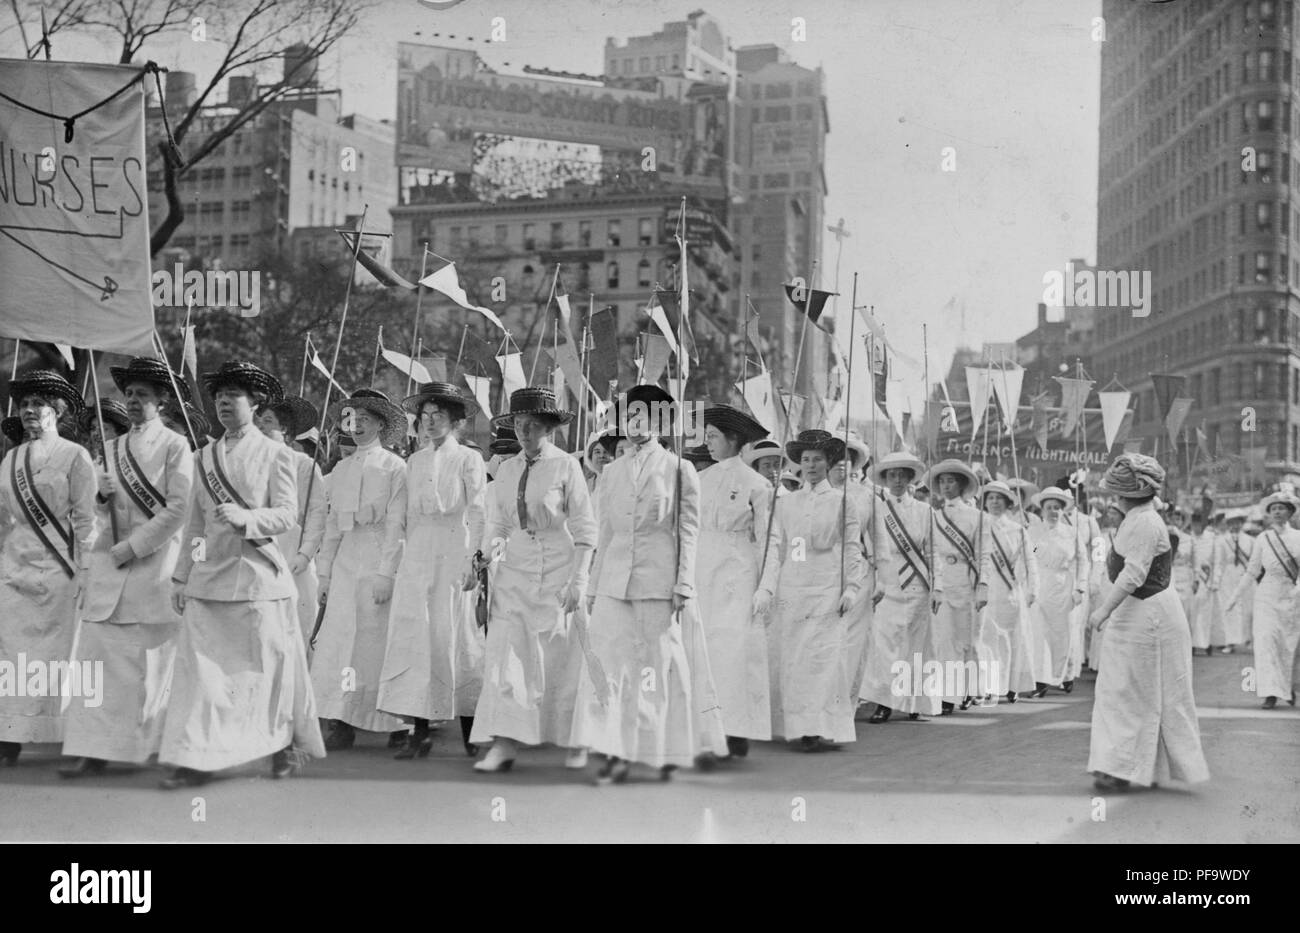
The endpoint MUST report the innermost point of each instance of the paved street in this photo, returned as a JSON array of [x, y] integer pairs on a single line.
[[1012, 773]]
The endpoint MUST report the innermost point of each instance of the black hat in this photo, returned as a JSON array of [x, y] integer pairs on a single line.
[[112, 410], [505, 442], [47, 384], [154, 372], [732, 420], [699, 456], [442, 393], [647, 394], [296, 414], [394, 429], [815, 440], [245, 375], [12, 428], [533, 400]]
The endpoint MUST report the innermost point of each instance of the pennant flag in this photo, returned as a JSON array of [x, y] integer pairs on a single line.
[[1125, 426], [481, 387], [757, 393], [684, 314], [1074, 393], [812, 302], [512, 373], [65, 351], [1007, 381], [479, 352], [319, 364], [657, 353], [1202, 442], [1114, 405], [602, 359], [894, 399], [752, 334], [656, 312], [404, 364], [446, 282], [1167, 387], [877, 330], [189, 353], [1178, 410], [557, 382], [566, 357], [978, 387], [367, 258], [1040, 419], [794, 405], [436, 366], [834, 409], [880, 376], [566, 314]]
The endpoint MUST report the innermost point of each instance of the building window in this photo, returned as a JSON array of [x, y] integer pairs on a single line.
[[660, 63], [645, 231], [584, 233], [584, 276], [1264, 216], [1264, 112], [557, 234], [645, 65], [614, 237], [1264, 166], [454, 233], [473, 234], [677, 61], [501, 233], [611, 275], [530, 237], [1263, 268], [643, 273], [1266, 62]]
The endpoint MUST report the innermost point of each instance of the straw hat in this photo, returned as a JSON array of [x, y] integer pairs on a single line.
[[1278, 497], [898, 460], [150, 371], [442, 393], [297, 415], [394, 419], [113, 411], [533, 400], [752, 453], [731, 420], [247, 376], [999, 487], [1050, 493], [824, 441], [46, 383], [953, 467]]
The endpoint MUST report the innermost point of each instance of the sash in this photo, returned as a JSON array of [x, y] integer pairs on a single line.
[[142, 492], [1000, 562], [223, 492], [959, 541], [39, 515], [913, 567], [1288, 563]]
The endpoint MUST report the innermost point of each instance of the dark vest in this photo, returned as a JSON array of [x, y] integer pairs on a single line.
[[1157, 580]]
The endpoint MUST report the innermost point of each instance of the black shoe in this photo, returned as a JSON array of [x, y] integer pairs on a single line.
[[1270, 702], [466, 727], [9, 752], [947, 709], [398, 739], [1011, 696], [739, 747], [967, 703], [1291, 702], [613, 771], [84, 767], [342, 736], [705, 762], [1108, 784], [418, 743], [666, 772], [283, 764], [811, 743], [881, 714], [1068, 686], [185, 777]]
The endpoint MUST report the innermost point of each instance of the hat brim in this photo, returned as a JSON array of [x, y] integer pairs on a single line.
[[731, 421], [47, 388], [753, 456], [832, 447], [508, 419], [413, 403], [394, 430], [931, 478], [884, 466], [123, 376], [250, 380]]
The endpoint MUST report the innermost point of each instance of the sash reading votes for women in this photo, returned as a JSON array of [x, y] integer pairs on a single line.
[[142, 492], [958, 540], [223, 492], [38, 514], [1005, 570], [1288, 563], [911, 556]]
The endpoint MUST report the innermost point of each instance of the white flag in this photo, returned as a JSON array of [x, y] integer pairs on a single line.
[[657, 315], [757, 393], [446, 281], [512, 373], [978, 386], [404, 363], [319, 364], [66, 352], [481, 386], [1006, 389], [1113, 406]]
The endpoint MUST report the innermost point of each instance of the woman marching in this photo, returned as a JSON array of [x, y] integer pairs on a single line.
[[1004, 628], [127, 621], [734, 506], [1062, 583], [1275, 563], [47, 523], [810, 593], [240, 690], [433, 663], [1144, 725], [540, 532], [282, 422], [356, 565], [962, 567]]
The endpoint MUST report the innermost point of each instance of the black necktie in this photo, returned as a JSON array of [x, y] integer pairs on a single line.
[[523, 488]]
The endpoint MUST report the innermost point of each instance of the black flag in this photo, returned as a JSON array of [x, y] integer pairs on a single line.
[[799, 293]]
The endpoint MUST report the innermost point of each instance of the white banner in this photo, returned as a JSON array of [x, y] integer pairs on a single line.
[[979, 386], [1006, 389], [512, 373], [757, 393], [1113, 406], [74, 223], [481, 386]]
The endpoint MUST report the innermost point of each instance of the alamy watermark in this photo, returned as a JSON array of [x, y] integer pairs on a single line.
[[934, 678], [1097, 288], [237, 290], [38, 678], [664, 419]]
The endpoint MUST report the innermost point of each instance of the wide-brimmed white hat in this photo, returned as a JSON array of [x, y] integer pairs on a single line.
[[752, 453], [1052, 492], [898, 460], [1282, 497], [972, 486], [999, 487]]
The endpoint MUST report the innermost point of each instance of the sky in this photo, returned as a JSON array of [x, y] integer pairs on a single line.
[[1011, 86]]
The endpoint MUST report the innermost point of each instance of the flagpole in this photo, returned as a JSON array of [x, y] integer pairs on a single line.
[[302, 380], [848, 464], [13, 374], [679, 428], [374, 365], [803, 330], [541, 338], [103, 444], [415, 330], [1015, 461], [180, 403], [929, 456]]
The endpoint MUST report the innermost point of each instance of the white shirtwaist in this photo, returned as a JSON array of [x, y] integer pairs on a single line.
[[954, 628], [1004, 624], [1206, 616], [1235, 551], [1061, 570], [1277, 613]]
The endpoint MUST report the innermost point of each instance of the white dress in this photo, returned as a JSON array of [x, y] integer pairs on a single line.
[[734, 504], [804, 576], [533, 658], [37, 597], [1004, 624], [962, 567], [1277, 612], [1206, 616], [1235, 551], [1061, 570], [433, 663], [1144, 726]]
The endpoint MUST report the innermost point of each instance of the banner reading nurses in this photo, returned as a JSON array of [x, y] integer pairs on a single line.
[[74, 225]]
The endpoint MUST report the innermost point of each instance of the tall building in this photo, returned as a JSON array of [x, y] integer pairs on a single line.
[[298, 164], [695, 47], [781, 126], [1198, 165]]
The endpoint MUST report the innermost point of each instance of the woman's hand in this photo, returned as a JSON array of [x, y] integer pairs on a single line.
[[569, 596], [1077, 596], [178, 598], [762, 603]]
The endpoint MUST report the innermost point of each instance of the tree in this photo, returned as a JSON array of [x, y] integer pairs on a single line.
[[256, 33]]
